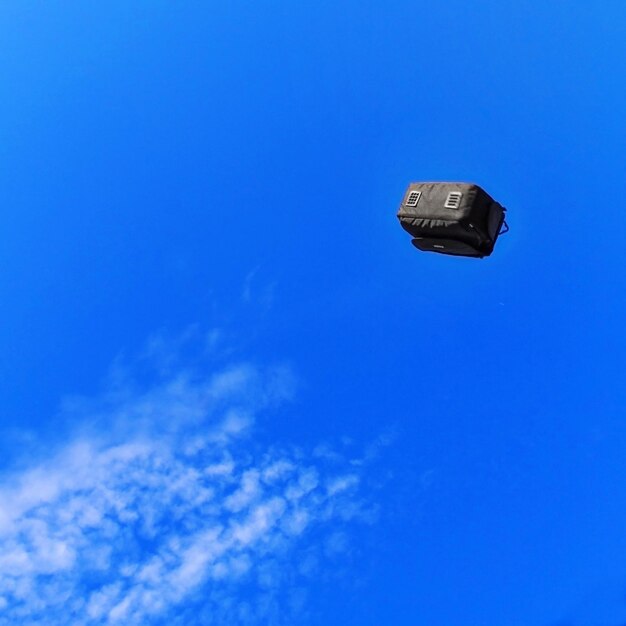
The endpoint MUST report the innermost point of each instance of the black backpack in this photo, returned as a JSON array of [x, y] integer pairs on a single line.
[[452, 218]]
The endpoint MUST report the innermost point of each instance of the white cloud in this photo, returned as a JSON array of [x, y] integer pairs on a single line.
[[166, 504]]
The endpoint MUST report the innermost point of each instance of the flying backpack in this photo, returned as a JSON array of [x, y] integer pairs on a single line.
[[452, 218]]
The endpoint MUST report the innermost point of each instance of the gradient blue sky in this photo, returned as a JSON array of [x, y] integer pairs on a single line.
[[199, 243]]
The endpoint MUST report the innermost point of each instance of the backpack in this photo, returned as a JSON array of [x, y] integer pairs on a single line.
[[452, 218]]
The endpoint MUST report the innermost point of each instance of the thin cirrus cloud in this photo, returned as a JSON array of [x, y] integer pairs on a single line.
[[176, 514]]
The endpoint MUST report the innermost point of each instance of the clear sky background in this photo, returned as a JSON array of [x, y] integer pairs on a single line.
[[233, 392]]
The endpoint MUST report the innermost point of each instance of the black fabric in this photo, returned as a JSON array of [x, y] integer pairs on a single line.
[[447, 246], [451, 218]]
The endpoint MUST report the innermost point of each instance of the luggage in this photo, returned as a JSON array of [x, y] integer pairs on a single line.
[[452, 218]]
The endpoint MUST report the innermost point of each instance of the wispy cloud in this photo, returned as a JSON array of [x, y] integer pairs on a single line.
[[258, 292], [166, 509]]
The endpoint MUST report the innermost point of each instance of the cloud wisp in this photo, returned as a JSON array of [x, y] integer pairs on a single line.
[[176, 515]]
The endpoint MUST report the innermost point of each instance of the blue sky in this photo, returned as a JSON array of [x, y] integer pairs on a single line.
[[232, 391]]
